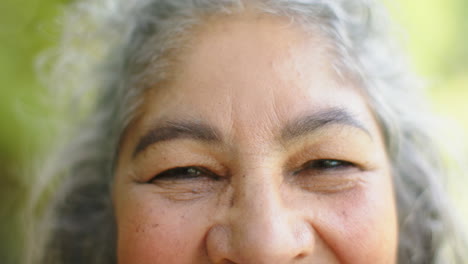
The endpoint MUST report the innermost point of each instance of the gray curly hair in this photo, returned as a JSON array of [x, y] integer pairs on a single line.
[[114, 50]]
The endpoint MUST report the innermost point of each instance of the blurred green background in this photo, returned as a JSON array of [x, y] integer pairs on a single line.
[[435, 34]]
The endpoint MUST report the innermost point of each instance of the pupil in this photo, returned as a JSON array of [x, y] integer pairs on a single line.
[[331, 163], [193, 171]]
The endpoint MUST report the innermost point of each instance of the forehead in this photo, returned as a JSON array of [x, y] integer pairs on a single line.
[[252, 71]]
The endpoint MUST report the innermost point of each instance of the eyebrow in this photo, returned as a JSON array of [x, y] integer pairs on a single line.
[[200, 131], [311, 123], [177, 130]]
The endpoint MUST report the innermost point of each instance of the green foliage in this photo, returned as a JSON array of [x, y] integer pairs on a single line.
[[26, 28], [437, 36]]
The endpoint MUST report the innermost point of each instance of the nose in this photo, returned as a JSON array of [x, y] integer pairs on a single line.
[[260, 228]]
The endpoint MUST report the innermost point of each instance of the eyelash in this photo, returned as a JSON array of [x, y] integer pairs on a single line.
[[185, 173], [191, 172], [327, 164]]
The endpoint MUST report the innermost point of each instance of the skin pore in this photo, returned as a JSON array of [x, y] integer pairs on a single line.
[[254, 153]]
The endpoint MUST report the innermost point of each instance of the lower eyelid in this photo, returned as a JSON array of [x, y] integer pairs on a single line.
[[186, 190], [328, 184], [181, 194], [338, 169]]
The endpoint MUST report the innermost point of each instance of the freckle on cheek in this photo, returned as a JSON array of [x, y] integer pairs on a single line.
[[139, 229], [344, 214]]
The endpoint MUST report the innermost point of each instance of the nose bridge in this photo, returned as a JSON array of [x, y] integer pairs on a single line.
[[263, 229], [260, 223], [257, 202], [256, 190]]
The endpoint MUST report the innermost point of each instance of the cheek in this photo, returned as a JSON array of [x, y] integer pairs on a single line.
[[362, 227], [152, 231]]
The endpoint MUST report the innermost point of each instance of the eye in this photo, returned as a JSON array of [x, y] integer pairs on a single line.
[[185, 173], [328, 176], [327, 165]]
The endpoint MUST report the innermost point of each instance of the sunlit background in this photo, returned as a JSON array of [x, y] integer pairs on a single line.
[[435, 32]]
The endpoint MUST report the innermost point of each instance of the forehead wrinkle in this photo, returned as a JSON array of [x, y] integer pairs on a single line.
[[276, 108], [312, 123], [177, 129], [259, 125]]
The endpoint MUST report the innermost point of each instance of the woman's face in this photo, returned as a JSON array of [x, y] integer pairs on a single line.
[[254, 153]]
